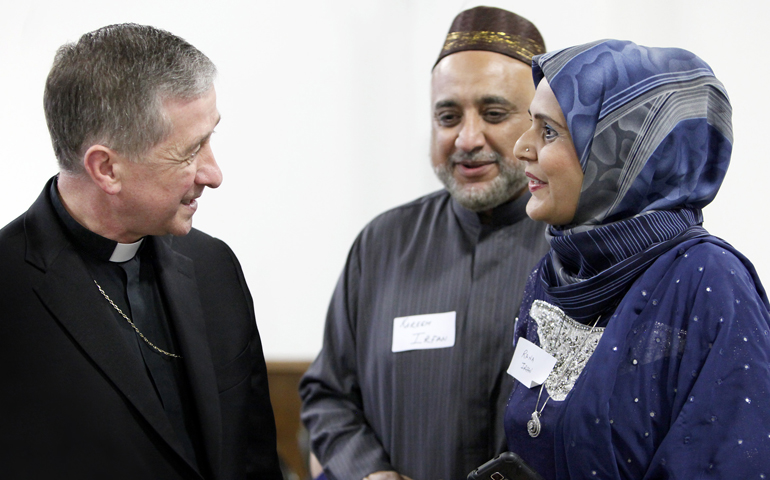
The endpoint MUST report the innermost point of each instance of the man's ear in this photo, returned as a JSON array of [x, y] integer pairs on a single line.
[[100, 164]]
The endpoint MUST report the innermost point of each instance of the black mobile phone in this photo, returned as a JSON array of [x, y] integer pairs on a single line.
[[506, 466]]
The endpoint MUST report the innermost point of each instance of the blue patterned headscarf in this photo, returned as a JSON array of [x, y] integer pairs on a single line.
[[652, 130]]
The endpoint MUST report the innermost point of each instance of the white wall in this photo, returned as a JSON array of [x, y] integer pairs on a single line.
[[325, 108]]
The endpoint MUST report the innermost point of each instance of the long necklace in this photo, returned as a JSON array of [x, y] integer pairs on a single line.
[[534, 425], [136, 329]]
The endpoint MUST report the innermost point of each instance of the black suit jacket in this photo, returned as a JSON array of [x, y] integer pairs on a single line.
[[76, 404]]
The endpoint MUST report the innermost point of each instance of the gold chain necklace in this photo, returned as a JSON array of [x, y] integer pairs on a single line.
[[136, 329]]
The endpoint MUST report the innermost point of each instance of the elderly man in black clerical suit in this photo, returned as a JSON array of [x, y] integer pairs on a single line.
[[128, 343]]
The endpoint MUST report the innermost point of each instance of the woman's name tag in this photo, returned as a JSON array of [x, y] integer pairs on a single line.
[[530, 364]]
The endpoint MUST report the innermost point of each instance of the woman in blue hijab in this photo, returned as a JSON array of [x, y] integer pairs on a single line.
[[660, 331]]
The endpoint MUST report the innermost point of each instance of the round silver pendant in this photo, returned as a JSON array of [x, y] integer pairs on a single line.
[[533, 426]]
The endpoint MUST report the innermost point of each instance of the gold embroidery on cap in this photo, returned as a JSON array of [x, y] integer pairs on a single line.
[[520, 45]]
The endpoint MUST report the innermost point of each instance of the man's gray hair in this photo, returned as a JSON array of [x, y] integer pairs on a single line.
[[109, 88]]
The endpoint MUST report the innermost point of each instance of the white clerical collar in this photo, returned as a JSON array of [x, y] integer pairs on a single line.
[[125, 251]]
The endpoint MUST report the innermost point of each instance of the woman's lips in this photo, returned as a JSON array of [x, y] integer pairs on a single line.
[[535, 183]]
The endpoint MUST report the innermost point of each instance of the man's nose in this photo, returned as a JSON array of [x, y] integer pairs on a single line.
[[209, 173], [471, 136]]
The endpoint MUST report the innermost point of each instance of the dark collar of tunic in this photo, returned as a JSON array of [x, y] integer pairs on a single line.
[[509, 213]]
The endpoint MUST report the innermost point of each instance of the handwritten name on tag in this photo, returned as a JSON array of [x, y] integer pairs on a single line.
[[424, 332], [530, 364]]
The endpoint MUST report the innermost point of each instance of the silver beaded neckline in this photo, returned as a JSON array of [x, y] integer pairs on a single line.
[[570, 342]]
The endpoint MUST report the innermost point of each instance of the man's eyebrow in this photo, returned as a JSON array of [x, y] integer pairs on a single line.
[[198, 141], [445, 104], [494, 99]]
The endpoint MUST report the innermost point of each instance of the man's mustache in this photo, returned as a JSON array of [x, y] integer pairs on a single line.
[[475, 158]]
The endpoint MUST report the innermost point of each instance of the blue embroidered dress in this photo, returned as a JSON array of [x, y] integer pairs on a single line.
[[667, 373]]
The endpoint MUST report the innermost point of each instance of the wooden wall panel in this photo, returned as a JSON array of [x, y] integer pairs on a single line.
[[283, 378]]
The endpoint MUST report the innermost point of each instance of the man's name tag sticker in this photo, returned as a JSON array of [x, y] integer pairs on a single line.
[[530, 364], [424, 332]]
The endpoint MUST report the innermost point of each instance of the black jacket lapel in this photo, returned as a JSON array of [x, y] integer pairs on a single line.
[[176, 276], [68, 291]]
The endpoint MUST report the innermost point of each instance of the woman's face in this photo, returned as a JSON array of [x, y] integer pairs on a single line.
[[552, 165]]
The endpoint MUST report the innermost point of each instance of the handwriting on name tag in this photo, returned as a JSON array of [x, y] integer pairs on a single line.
[[526, 361], [530, 364], [424, 332]]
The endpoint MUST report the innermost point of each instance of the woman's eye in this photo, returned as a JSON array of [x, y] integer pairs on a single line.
[[549, 132]]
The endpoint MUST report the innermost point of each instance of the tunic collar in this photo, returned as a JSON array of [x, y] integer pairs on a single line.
[[503, 215], [87, 241]]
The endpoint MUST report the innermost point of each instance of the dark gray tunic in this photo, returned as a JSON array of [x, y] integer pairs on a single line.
[[428, 414]]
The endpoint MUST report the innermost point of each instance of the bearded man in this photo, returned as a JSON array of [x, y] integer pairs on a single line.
[[411, 381]]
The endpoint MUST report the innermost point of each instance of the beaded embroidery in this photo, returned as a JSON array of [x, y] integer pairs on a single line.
[[570, 342]]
